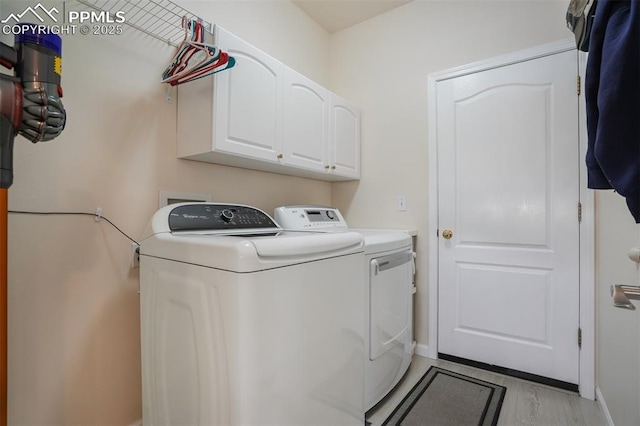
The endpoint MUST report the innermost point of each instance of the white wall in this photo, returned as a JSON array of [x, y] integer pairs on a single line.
[[74, 351], [618, 329]]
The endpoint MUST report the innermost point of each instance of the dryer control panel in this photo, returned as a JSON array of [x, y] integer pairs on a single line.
[[310, 218]]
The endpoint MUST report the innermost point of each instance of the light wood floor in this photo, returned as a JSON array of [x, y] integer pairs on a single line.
[[525, 403]]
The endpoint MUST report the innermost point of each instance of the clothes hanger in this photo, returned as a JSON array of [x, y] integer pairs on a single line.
[[216, 62], [204, 55], [225, 63], [191, 55], [195, 58], [188, 35]]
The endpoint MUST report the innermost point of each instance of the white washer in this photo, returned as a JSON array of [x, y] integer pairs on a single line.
[[243, 324], [389, 274]]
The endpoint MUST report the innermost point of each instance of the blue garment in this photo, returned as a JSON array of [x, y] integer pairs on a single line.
[[612, 90]]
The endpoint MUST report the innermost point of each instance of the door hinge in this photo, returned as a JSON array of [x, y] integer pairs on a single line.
[[579, 88], [579, 212], [579, 338]]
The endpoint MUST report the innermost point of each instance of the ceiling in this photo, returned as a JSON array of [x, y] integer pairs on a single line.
[[335, 15]]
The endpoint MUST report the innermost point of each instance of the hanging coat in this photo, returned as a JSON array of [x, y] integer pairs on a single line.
[[580, 14], [612, 90]]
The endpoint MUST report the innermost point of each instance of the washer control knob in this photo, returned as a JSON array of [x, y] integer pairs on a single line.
[[226, 215], [331, 215]]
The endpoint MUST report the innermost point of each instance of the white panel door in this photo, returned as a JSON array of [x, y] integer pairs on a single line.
[[248, 101], [508, 191], [306, 122]]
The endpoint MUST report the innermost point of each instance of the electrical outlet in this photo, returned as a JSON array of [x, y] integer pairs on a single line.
[[402, 203], [135, 255]]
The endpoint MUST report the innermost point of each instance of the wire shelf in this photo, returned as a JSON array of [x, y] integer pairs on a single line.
[[161, 19]]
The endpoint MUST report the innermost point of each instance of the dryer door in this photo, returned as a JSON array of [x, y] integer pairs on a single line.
[[391, 282]]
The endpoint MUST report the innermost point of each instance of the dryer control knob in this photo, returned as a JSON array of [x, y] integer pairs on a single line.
[[226, 215]]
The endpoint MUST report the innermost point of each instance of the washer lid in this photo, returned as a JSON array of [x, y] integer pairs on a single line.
[[244, 253], [293, 244]]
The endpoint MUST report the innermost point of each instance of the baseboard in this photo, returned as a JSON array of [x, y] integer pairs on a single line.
[[422, 350], [603, 405]]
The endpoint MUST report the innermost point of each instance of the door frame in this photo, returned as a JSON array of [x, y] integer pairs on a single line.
[[587, 225]]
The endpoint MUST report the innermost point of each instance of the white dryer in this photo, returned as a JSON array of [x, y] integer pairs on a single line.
[[244, 324], [389, 276]]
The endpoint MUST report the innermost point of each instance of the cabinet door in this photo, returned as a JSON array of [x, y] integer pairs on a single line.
[[344, 140], [248, 102], [306, 122]]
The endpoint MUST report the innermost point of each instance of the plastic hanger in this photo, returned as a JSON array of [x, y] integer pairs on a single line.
[[192, 53], [182, 48], [195, 59], [201, 56], [224, 63]]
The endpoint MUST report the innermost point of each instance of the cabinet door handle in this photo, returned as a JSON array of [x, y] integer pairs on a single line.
[[326, 167], [280, 156], [333, 167]]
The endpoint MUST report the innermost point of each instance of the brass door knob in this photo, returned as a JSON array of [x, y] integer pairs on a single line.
[[447, 234]]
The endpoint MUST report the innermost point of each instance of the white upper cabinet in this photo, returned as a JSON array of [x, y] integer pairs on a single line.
[[263, 115], [236, 112], [248, 101], [306, 122], [344, 145]]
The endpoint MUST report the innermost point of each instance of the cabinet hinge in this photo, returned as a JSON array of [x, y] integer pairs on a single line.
[[579, 90], [579, 338], [579, 212], [437, 232]]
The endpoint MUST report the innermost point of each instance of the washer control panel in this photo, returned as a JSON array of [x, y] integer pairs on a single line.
[[310, 218], [218, 217]]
